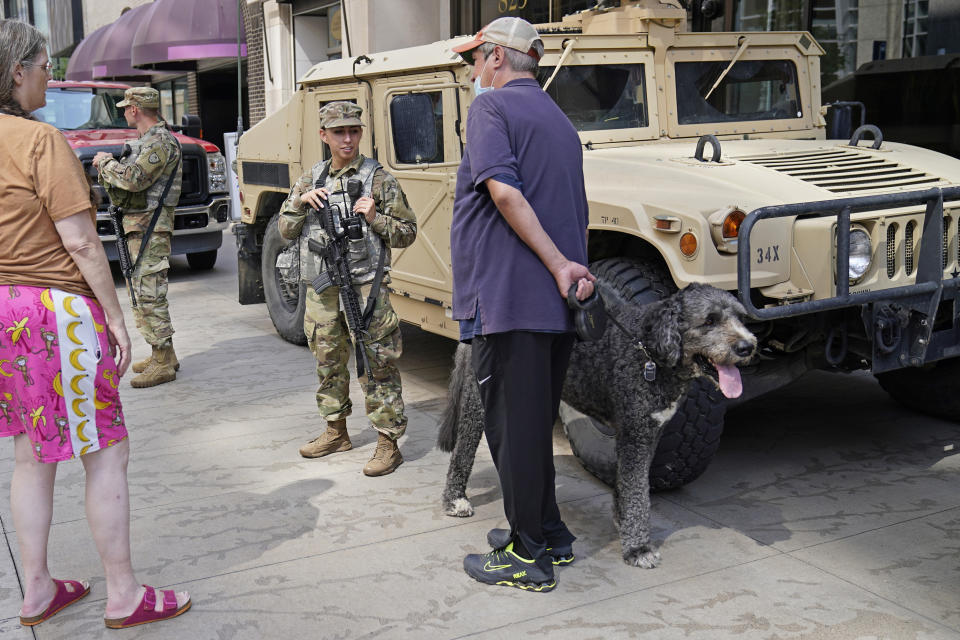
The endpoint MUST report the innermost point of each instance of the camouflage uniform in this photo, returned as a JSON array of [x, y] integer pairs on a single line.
[[135, 183], [323, 324]]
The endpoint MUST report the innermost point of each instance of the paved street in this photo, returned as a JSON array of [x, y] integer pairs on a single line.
[[829, 513]]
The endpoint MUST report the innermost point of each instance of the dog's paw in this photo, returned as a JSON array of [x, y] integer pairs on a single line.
[[459, 508], [644, 557]]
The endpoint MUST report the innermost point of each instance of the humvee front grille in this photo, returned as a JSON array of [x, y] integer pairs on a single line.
[[905, 253], [846, 171], [946, 243], [908, 248], [892, 250]]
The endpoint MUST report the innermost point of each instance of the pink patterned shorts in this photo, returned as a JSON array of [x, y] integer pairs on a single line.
[[58, 381]]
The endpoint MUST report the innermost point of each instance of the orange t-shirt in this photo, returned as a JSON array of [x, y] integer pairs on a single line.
[[41, 181]]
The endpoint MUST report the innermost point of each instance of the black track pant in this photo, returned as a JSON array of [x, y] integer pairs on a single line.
[[521, 375]]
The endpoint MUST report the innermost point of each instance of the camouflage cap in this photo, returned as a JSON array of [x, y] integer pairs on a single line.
[[143, 97], [340, 114]]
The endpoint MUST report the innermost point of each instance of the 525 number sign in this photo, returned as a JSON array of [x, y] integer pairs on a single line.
[[511, 5]]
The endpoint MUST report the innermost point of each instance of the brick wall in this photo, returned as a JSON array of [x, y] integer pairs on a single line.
[[193, 97], [253, 23]]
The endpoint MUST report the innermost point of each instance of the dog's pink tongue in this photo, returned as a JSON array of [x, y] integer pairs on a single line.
[[728, 377]]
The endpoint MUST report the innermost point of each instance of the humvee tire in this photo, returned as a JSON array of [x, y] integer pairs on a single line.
[[932, 389], [285, 304], [690, 440], [202, 260]]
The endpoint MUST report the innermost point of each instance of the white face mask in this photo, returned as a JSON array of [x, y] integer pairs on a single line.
[[480, 90]]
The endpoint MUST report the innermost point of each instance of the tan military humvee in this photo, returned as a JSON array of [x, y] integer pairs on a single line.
[[706, 160]]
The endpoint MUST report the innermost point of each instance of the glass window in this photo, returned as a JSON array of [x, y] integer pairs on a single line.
[[752, 90], [83, 108], [595, 97], [534, 11], [834, 23], [417, 122], [769, 15], [915, 28], [173, 99]]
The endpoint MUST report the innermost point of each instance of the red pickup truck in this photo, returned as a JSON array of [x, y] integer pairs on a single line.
[[87, 114]]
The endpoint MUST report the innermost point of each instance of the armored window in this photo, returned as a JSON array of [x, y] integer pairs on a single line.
[[597, 97], [417, 127], [751, 90]]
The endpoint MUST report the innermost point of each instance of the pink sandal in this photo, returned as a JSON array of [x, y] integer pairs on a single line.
[[146, 610], [62, 598]]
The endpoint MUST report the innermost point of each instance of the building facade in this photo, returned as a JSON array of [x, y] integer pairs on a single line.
[[289, 36]]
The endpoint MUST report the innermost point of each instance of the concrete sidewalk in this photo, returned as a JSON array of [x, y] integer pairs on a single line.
[[830, 512]]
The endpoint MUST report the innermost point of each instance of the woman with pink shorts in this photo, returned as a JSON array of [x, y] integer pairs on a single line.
[[63, 348]]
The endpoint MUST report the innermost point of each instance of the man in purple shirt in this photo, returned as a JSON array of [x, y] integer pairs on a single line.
[[518, 244]]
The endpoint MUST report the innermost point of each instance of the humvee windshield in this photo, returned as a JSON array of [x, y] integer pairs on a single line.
[[594, 97], [83, 108], [752, 90]]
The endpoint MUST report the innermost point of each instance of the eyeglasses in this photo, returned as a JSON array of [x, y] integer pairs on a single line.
[[47, 66]]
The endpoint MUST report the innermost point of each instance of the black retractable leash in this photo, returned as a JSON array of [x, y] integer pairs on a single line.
[[590, 319]]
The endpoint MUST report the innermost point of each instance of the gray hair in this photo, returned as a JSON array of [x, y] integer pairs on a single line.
[[19, 43], [518, 60]]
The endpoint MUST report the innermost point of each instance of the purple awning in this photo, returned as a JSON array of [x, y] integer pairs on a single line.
[[80, 65], [111, 60], [175, 34]]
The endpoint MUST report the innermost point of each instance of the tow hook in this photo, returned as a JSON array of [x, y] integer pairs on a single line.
[[888, 328], [836, 350]]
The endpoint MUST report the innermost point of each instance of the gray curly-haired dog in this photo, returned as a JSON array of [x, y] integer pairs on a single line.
[[697, 331]]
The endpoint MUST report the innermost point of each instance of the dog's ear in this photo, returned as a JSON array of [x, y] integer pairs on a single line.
[[661, 328]]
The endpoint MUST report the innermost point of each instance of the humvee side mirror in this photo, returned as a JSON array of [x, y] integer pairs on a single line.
[[414, 128]]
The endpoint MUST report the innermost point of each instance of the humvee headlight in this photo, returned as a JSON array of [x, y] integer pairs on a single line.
[[725, 228], [861, 253]]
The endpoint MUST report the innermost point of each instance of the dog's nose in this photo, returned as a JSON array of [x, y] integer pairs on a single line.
[[743, 348]]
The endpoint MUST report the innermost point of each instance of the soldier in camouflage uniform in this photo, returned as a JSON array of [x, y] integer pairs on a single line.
[[389, 222], [135, 183]]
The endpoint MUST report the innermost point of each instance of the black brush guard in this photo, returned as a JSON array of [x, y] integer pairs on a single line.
[[901, 319]]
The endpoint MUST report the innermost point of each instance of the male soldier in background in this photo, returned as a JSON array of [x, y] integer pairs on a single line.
[[389, 222], [136, 183]]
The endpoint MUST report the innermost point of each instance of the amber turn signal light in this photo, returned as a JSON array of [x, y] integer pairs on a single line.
[[731, 224], [688, 244]]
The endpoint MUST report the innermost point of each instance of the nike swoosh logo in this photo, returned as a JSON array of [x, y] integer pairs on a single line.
[[485, 379], [494, 567]]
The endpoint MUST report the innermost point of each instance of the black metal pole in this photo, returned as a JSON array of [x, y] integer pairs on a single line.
[[239, 72]]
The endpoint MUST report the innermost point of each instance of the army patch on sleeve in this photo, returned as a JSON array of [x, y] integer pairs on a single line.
[[154, 158]]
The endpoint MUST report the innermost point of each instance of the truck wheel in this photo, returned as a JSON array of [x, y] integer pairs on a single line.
[[203, 260], [285, 303], [933, 390], [692, 437]]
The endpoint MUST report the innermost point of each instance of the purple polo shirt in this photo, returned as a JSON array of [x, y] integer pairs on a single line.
[[517, 134]]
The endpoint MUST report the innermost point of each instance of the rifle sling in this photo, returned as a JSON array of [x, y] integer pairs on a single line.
[[156, 212], [375, 287]]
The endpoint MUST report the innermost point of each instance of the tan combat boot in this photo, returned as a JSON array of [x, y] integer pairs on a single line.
[[334, 440], [385, 459], [141, 365], [159, 370]]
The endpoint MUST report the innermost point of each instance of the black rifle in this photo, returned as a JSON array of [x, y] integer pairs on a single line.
[[335, 258], [123, 249], [127, 265]]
